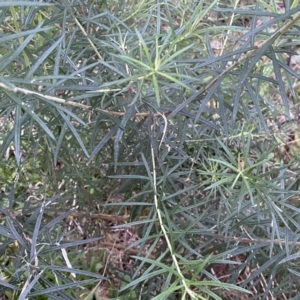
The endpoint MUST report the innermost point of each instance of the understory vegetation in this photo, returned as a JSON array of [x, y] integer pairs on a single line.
[[149, 149]]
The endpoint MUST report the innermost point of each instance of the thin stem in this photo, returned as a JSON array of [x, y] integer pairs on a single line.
[[187, 289]]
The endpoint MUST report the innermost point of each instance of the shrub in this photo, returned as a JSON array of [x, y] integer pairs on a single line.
[[149, 150]]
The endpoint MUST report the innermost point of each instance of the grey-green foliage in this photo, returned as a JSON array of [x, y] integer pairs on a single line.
[[173, 105]]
